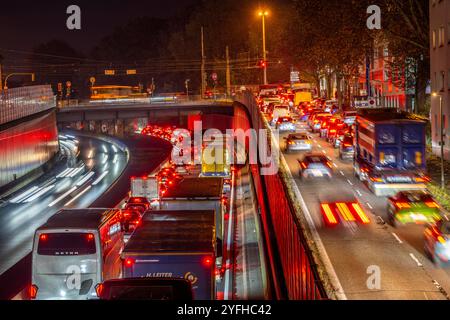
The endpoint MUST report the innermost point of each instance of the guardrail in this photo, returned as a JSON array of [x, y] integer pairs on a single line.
[[305, 277], [21, 102]]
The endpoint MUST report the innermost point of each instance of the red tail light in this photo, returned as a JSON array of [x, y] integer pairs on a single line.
[[129, 262], [32, 291], [90, 236], [99, 289], [207, 261], [329, 164], [402, 205], [347, 145], [43, 237], [303, 165], [432, 204]]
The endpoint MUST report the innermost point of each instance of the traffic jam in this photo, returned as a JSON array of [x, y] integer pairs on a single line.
[[163, 242], [383, 149]]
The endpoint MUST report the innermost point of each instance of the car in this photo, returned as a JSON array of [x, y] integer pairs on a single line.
[[412, 207], [436, 242], [131, 218], [137, 203], [286, 124], [326, 124], [298, 142], [316, 121], [315, 165], [346, 148], [175, 289]]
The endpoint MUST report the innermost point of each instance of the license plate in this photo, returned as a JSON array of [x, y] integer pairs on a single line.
[[316, 172]]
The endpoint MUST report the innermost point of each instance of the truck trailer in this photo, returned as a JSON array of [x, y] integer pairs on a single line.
[[390, 151], [174, 244]]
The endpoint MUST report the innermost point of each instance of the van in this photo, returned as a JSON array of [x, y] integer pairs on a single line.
[[278, 112], [74, 251]]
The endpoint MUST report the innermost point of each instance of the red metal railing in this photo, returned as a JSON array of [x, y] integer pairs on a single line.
[[301, 278]]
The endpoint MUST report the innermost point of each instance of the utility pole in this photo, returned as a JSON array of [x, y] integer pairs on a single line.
[[203, 89], [263, 15], [228, 76]]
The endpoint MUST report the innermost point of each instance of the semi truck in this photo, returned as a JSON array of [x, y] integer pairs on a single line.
[[175, 244], [390, 151]]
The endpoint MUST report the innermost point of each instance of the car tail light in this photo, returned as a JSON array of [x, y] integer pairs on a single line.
[[329, 216], [43, 237], [431, 204], [99, 289], [376, 179], [32, 291], [361, 215], [207, 261], [303, 165], [347, 145], [332, 131], [441, 239], [402, 205], [423, 179], [329, 164], [90, 236], [129, 262]]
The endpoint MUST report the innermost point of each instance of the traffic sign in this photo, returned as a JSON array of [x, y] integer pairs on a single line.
[[92, 80], [214, 76], [295, 76], [110, 72], [68, 84], [131, 72]]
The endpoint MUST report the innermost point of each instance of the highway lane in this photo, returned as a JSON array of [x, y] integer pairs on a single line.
[[146, 154], [354, 249], [97, 166]]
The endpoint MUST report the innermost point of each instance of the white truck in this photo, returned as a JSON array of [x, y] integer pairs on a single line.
[[145, 187]]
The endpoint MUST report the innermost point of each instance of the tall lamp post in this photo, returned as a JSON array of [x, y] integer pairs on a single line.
[[263, 14], [442, 135]]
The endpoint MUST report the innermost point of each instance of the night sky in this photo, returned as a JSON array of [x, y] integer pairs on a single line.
[[25, 24]]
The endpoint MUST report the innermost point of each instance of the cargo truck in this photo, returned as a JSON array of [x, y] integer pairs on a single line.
[[174, 244], [390, 151]]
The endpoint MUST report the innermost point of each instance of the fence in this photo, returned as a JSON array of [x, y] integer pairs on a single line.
[[299, 263], [25, 101]]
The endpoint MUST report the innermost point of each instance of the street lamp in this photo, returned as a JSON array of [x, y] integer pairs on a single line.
[[441, 143], [263, 14], [18, 74]]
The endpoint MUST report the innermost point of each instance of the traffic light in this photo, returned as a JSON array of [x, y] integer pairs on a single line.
[[262, 64]]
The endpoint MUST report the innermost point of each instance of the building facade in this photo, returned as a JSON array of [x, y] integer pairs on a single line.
[[440, 72]]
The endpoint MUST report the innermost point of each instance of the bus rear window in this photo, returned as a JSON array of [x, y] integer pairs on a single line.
[[66, 244]]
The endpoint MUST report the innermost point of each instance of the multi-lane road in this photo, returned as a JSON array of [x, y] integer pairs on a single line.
[[354, 252], [97, 174]]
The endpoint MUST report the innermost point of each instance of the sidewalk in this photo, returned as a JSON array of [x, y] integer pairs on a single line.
[[250, 277]]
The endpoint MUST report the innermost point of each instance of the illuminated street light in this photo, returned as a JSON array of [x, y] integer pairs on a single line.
[[264, 14]]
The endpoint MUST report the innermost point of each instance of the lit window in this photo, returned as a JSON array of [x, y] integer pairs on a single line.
[[434, 39], [441, 36]]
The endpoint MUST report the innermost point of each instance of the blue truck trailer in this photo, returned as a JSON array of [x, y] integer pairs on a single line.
[[175, 244], [390, 151]]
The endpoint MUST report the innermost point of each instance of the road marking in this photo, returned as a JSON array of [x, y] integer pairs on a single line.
[[359, 193], [324, 152], [370, 206], [96, 182], [397, 238], [415, 260], [319, 146], [62, 197], [342, 173], [335, 165], [351, 183], [78, 195]]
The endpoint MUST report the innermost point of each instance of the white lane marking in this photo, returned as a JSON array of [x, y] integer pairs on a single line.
[[335, 165], [324, 152], [319, 146], [415, 260], [62, 197], [96, 182], [369, 205], [342, 173], [359, 193], [230, 221], [39, 194], [349, 182], [23, 195], [78, 195], [397, 238]]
